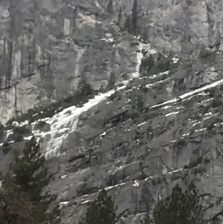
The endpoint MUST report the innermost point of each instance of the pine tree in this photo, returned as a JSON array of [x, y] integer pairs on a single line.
[[29, 171], [119, 17], [85, 89], [111, 81], [135, 17], [131, 23], [100, 211], [21, 201], [180, 208], [1, 131], [110, 7], [17, 208], [128, 24]]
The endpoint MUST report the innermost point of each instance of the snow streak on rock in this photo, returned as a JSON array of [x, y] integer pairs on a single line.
[[191, 93]]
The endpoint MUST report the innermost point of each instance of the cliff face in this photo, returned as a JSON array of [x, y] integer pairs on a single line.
[[136, 141], [142, 141], [183, 25], [47, 46]]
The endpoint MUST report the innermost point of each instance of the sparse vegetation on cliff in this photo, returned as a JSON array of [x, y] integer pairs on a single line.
[[157, 63], [30, 172], [100, 211], [84, 93], [131, 23], [181, 207], [21, 195]]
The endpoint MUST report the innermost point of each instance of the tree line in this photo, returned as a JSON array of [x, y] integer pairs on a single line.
[[22, 200], [181, 207], [131, 21]]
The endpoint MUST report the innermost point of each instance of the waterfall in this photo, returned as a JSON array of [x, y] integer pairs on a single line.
[[139, 57], [64, 123]]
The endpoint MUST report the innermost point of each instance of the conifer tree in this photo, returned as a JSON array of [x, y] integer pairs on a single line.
[[85, 88], [128, 24], [119, 17], [110, 7], [131, 23], [1, 131], [21, 201], [111, 81], [180, 208], [100, 211], [135, 18], [29, 171], [17, 208]]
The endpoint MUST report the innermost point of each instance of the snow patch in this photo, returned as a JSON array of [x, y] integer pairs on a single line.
[[191, 93], [111, 39], [136, 183], [175, 60], [28, 138], [159, 74], [85, 202], [63, 177], [64, 202], [172, 113], [103, 134], [155, 83], [114, 186], [139, 125]]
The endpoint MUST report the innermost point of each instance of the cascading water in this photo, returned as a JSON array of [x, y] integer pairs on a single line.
[[65, 122], [139, 57]]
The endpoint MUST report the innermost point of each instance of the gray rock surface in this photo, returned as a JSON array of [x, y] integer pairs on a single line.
[[139, 152], [47, 46], [161, 129]]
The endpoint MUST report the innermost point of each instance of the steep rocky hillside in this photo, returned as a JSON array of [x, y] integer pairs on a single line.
[[161, 124], [138, 141], [47, 46], [144, 139]]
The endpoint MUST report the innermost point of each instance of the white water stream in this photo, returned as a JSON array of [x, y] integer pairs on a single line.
[[63, 123], [139, 57]]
